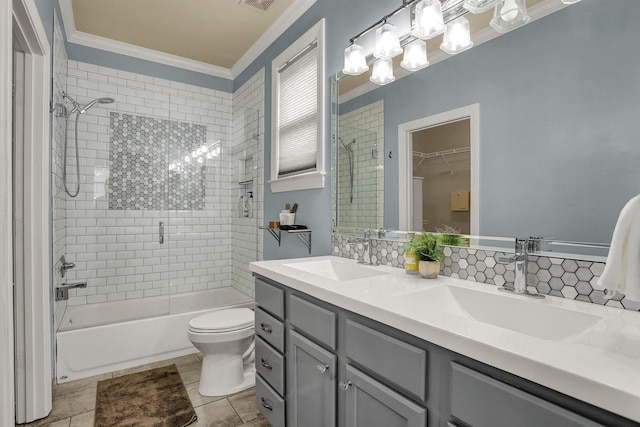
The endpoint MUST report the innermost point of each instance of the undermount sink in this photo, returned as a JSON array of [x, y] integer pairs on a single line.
[[336, 270], [530, 317]]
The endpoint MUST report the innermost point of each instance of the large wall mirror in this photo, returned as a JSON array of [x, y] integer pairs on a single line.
[[559, 144]]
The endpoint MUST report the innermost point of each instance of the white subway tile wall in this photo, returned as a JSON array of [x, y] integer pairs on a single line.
[[247, 157], [118, 251], [57, 192], [361, 181]]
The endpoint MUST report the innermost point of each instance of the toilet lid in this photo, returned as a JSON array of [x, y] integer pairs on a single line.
[[232, 319]]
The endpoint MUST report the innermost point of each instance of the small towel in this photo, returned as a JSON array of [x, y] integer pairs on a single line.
[[622, 271]]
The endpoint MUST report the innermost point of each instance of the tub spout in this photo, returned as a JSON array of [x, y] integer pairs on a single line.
[[62, 291]]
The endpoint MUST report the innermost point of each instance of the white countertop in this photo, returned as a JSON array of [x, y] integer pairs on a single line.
[[600, 366]]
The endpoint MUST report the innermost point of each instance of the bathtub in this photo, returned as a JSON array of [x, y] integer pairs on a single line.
[[97, 338]]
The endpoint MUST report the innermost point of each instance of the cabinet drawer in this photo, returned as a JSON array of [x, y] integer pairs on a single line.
[[270, 365], [270, 298], [390, 358], [269, 403], [370, 403], [482, 401], [317, 322], [270, 329]]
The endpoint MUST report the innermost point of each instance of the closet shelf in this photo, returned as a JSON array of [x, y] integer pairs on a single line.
[[443, 154]]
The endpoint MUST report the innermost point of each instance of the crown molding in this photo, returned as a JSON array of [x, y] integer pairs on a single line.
[[536, 12], [280, 25]]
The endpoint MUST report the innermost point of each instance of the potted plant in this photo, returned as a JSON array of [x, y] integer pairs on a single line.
[[427, 250], [450, 236]]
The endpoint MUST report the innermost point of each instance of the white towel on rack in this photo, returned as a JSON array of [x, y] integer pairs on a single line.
[[622, 271]]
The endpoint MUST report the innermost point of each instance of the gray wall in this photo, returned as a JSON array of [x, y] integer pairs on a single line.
[[559, 107]]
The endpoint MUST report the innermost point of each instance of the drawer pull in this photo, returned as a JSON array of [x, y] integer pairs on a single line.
[[344, 385], [265, 364], [323, 368], [266, 328], [266, 404]]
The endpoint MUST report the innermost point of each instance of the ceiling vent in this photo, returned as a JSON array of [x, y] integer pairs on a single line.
[[262, 5]]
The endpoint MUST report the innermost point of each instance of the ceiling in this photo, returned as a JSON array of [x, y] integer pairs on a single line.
[[214, 32]]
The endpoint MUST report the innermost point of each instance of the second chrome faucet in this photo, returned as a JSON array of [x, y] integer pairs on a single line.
[[521, 260], [366, 242]]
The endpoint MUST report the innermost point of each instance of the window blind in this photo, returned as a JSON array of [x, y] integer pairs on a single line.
[[298, 113]]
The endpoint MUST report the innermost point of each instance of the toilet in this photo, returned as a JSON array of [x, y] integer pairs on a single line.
[[227, 340]]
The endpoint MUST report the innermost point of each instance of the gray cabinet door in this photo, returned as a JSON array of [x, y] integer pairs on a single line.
[[370, 403], [311, 388]]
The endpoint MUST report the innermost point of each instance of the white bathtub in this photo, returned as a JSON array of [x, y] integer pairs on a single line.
[[98, 338]]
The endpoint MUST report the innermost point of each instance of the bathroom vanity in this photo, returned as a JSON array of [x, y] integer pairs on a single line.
[[347, 345]]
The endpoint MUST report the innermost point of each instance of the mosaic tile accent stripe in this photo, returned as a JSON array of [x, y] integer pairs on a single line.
[[559, 277], [141, 150]]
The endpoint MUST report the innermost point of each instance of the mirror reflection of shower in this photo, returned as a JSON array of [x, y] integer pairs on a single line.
[[61, 111], [349, 148]]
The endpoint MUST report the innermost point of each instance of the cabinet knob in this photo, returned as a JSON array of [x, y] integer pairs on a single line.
[[266, 404], [266, 328], [344, 385], [265, 364], [323, 368]]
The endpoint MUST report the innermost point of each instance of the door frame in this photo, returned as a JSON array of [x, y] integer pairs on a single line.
[[36, 374], [405, 161]]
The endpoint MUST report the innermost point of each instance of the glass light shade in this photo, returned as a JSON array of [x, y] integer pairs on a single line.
[[415, 56], [382, 72], [457, 37], [355, 62], [428, 22], [387, 42], [479, 6], [509, 15]]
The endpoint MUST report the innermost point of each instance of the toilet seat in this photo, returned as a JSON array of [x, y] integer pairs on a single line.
[[220, 321]]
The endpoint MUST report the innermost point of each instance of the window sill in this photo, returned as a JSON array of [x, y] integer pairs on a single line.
[[305, 181]]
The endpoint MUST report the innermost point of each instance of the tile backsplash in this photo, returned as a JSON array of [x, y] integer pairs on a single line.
[[559, 277]]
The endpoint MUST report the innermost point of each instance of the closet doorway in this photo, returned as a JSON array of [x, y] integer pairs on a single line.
[[440, 153]]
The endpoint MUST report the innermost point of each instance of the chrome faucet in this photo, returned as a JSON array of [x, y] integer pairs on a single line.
[[521, 260], [366, 242]]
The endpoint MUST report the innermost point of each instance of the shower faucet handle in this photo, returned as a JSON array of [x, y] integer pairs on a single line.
[[65, 266]]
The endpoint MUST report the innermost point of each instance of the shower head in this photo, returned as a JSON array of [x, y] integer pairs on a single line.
[[84, 109], [349, 145], [76, 106]]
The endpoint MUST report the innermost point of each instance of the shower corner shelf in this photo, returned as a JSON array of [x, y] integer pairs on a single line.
[[245, 182], [303, 235]]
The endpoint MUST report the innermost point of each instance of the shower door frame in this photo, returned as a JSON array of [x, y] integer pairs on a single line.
[[21, 18]]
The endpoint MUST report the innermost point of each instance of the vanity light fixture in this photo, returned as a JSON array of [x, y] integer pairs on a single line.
[[382, 72], [355, 61], [415, 56], [480, 6], [457, 37], [428, 22], [509, 15], [387, 42], [429, 19]]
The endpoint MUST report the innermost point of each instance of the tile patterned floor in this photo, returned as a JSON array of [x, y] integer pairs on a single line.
[[74, 402]]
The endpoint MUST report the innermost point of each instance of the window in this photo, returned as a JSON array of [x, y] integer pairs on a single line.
[[297, 131]]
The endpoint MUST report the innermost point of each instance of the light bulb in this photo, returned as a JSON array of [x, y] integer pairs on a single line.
[[355, 62], [415, 56], [428, 22], [187, 158], [382, 72], [509, 10], [509, 15], [457, 37], [387, 42]]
